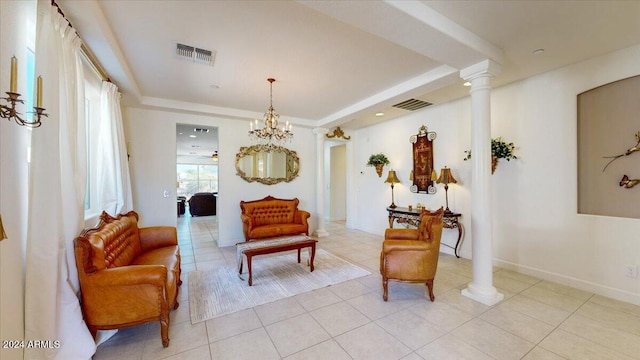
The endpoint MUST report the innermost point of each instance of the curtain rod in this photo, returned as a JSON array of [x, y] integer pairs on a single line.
[[84, 50]]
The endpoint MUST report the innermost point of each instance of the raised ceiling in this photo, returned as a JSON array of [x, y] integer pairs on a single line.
[[196, 141], [336, 62]]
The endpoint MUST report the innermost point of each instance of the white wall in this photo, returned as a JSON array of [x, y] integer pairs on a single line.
[[449, 121], [14, 140], [152, 146], [337, 184], [536, 228], [536, 224]]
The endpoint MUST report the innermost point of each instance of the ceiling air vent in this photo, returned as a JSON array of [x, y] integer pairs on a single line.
[[412, 104], [195, 54]]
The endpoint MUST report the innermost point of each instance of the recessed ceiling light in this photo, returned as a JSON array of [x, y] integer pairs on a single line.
[[179, 133], [467, 83], [380, 114], [192, 136], [537, 51]]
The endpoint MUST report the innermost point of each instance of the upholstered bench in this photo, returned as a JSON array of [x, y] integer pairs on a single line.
[[271, 246]]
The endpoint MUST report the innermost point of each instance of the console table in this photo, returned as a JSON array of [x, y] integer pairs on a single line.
[[403, 215]]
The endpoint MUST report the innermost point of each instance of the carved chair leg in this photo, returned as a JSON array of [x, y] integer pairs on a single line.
[[175, 306], [385, 288], [164, 330], [430, 289]]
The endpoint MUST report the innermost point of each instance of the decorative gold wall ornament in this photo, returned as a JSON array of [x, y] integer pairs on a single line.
[[629, 151], [338, 133], [628, 183]]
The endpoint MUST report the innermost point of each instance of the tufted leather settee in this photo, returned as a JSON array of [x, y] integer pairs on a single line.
[[128, 275], [271, 217]]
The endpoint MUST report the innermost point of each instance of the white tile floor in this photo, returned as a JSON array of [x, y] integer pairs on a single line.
[[537, 320]]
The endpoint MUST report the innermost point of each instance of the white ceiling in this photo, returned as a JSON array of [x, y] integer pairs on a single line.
[[196, 141], [336, 62]]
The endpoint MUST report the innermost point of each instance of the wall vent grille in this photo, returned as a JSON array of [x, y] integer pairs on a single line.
[[195, 54], [412, 104]]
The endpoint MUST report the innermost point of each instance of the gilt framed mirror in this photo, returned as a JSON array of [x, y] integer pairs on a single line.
[[424, 175], [267, 164]]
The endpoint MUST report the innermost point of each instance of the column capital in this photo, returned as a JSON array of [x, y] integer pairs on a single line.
[[320, 131], [486, 67]]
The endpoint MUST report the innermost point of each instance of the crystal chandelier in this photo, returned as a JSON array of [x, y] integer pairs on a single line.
[[270, 132]]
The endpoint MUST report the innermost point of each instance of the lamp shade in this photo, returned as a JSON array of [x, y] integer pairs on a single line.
[[446, 177], [392, 177]]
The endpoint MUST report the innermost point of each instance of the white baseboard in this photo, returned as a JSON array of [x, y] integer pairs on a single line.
[[230, 242], [618, 294]]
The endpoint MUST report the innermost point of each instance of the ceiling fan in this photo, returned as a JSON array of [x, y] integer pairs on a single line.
[[213, 156]]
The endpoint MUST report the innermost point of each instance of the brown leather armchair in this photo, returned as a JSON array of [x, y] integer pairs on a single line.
[[411, 255], [128, 275]]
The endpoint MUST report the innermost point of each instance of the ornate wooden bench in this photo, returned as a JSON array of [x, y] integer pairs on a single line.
[[271, 246]]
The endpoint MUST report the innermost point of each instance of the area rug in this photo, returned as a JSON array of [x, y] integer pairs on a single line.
[[221, 291]]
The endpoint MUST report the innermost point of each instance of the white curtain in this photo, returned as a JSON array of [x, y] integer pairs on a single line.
[[56, 196], [114, 185]]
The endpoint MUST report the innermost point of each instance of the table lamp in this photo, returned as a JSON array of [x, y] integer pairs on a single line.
[[446, 178], [392, 178]]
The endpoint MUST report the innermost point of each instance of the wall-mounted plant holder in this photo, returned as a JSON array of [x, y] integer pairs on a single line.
[[378, 161]]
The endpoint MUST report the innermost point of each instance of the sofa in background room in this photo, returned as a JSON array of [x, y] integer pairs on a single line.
[[202, 204]]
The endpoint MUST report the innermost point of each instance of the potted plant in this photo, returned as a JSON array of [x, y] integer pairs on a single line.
[[500, 149], [379, 161]]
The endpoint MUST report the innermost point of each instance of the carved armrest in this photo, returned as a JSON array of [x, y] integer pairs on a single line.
[[404, 245], [247, 225], [123, 276], [301, 217]]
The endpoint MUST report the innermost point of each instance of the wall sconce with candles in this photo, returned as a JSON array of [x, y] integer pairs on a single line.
[[10, 112], [446, 178], [392, 178]]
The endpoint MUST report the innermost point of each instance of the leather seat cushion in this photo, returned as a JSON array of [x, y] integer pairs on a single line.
[[274, 230]]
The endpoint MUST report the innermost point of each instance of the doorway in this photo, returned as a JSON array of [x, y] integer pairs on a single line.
[[197, 176], [336, 201]]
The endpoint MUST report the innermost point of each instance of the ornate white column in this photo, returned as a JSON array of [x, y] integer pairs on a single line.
[[481, 287], [320, 134]]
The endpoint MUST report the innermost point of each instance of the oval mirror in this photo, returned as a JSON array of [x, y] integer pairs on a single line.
[[267, 164]]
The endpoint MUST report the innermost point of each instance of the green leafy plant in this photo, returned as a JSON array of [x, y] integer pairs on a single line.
[[499, 148], [378, 159]]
